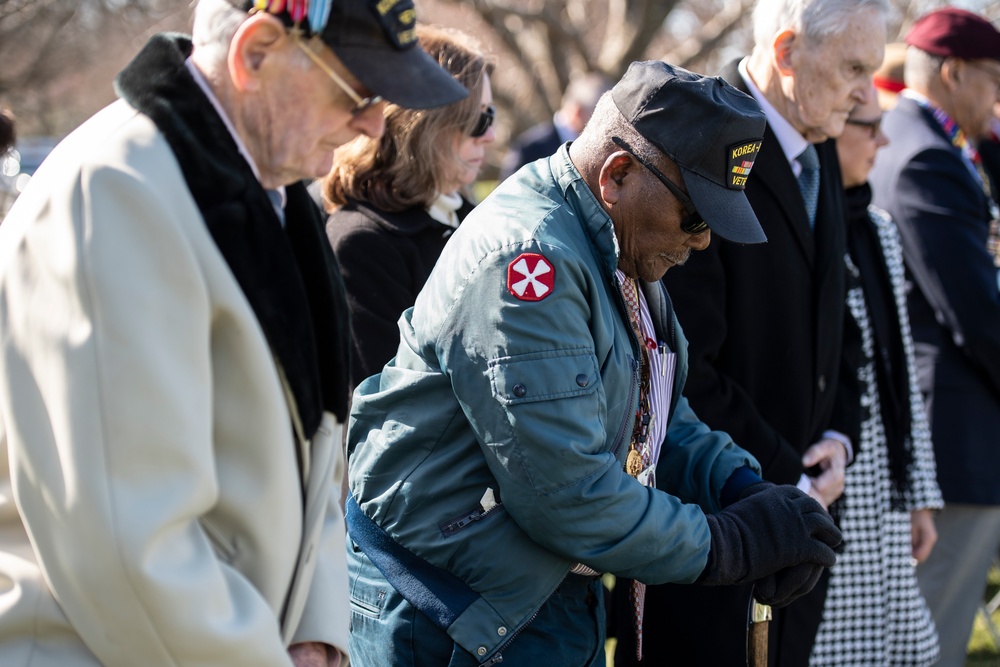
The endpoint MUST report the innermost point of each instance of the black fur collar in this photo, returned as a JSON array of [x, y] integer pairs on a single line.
[[290, 276]]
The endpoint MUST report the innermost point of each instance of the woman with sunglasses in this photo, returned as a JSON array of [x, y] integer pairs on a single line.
[[396, 200], [874, 613]]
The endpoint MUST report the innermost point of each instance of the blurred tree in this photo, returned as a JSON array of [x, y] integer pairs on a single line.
[[541, 44], [59, 56]]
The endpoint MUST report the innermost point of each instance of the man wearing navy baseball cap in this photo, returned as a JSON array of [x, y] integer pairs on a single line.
[[174, 348], [930, 178], [532, 432]]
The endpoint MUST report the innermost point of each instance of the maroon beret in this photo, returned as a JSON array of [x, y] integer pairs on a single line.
[[955, 32]]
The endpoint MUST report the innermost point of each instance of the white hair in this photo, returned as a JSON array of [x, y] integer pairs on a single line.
[[921, 68], [816, 19], [215, 25]]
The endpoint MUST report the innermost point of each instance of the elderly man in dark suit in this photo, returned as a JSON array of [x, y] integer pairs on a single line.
[[767, 323], [930, 180]]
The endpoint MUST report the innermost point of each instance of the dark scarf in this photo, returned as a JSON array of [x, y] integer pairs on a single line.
[[289, 275], [890, 359]]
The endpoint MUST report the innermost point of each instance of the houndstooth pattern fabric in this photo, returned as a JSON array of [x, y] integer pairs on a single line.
[[874, 613]]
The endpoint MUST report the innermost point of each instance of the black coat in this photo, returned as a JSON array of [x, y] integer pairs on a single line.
[[385, 259], [765, 325], [943, 217], [766, 321]]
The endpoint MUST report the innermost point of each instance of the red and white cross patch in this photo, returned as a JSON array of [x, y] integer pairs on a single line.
[[530, 277]]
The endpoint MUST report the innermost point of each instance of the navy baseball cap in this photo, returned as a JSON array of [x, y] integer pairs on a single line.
[[709, 129], [376, 41]]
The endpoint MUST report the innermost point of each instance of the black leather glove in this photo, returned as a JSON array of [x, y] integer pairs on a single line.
[[771, 530]]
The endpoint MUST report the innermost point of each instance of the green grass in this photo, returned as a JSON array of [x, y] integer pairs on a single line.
[[983, 652]]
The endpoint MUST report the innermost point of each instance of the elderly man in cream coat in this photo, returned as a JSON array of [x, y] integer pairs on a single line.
[[172, 348]]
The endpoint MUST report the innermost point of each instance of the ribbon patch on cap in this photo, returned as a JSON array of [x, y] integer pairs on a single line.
[[398, 19], [530, 277], [741, 157], [316, 11]]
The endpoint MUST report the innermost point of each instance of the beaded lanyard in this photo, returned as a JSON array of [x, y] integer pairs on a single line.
[[638, 454]]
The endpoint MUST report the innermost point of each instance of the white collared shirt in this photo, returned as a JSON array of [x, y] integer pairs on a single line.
[[792, 143]]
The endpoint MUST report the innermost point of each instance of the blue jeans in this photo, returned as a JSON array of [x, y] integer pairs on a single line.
[[387, 631]]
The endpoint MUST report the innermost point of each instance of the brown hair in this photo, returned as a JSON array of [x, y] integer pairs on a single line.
[[406, 166]]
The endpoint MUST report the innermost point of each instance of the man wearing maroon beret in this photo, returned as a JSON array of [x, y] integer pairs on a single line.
[[930, 179]]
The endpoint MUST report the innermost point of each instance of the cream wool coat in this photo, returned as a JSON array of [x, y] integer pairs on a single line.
[[152, 506]]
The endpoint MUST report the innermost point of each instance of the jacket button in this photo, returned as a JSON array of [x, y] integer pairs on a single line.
[[519, 390], [821, 384], [481, 650], [502, 631], [582, 380]]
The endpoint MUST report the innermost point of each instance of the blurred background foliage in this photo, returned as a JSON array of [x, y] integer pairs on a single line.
[[60, 56]]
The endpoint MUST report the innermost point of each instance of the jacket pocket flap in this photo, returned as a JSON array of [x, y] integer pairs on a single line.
[[542, 376]]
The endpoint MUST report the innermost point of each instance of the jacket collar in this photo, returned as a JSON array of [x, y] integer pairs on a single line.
[[289, 275], [595, 220]]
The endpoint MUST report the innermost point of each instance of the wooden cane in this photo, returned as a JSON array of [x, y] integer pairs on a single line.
[[760, 616]]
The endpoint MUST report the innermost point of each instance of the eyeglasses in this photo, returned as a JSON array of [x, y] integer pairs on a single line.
[[872, 125], [692, 223], [483, 123], [361, 104]]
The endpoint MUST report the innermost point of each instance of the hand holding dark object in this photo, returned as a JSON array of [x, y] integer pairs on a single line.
[[784, 586], [773, 533]]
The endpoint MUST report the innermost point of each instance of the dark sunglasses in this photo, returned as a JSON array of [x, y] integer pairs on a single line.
[[483, 123], [692, 223], [872, 125]]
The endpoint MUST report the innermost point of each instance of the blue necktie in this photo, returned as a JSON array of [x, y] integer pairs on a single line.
[[276, 202], [809, 180]]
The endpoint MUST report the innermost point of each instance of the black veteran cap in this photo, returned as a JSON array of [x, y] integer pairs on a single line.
[[375, 40], [709, 129]]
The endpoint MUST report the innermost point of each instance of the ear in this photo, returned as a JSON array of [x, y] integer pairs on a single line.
[[612, 179], [952, 73], [259, 37], [783, 47]]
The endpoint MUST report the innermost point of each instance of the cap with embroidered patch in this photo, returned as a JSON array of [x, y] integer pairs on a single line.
[[709, 129], [375, 40]]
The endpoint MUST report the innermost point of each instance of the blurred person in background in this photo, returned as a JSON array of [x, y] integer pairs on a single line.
[[930, 179], [173, 348], [542, 140], [398, 198], [888, 77], [874, 613]]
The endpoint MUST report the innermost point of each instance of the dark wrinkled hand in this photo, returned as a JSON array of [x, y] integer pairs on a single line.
[[773, 529]]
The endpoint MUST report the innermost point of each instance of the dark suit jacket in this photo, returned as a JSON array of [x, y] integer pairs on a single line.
[[765, 325], [766, 321], [536, 142], [385, 259], [943, 216]]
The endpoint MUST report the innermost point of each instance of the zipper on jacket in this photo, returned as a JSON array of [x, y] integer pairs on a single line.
[[452, 526], [498, 656]]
